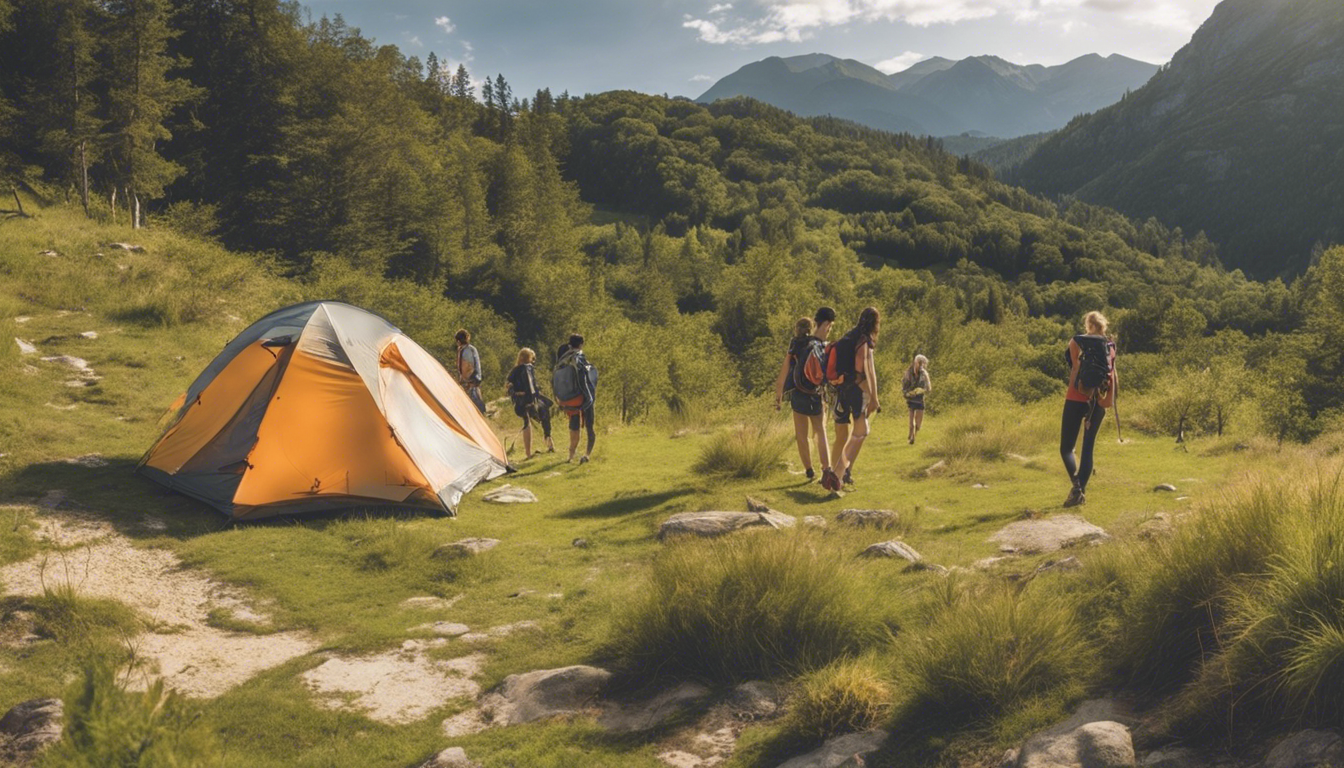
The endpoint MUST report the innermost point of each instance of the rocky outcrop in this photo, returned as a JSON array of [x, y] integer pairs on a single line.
[[645, 715], [544, 693], [709, 524], [1096, 736], [1029, 537], [841, 751], [28, 729], [1307, 749]]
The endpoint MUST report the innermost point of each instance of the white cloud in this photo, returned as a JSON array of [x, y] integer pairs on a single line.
[[795, 20], [415, 40], [446, 24], [899, 63], [720, 8], [701, 78]]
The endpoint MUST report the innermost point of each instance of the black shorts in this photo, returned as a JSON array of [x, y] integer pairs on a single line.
[[915, 405], [583, 418], [850, 401], [805, 404]]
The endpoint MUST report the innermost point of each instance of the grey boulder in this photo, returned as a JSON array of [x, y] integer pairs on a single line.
[[756, 700], [710, 524], [29, 728], [510, 494], [893, 549], [1098, 744], [882, 519], [452, 757], [1307, 749], [464, 548], [636, 716], [1048, 534], [840, 751], [544, 693]]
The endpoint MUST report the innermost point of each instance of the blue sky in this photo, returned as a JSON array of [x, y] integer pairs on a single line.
[[680, 47]]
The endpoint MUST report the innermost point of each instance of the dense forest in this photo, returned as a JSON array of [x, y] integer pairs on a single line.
[[683, 238]]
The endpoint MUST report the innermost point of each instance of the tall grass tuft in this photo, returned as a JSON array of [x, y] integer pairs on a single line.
[[990, 432], [747, 452], [991, 652], [746, 607], [110, 727], [847, 696]]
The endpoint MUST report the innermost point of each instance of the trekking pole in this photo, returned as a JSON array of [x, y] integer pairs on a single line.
[[1116, 407]]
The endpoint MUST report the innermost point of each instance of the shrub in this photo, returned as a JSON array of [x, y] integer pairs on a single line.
[[844, 697], [107, 726], [990, 653], [746, 607], [751, 451]]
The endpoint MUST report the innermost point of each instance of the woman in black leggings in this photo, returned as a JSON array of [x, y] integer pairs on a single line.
[[1084, 411]]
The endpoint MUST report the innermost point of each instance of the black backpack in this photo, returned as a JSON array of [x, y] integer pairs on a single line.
[[840, 359], [1094, 366]]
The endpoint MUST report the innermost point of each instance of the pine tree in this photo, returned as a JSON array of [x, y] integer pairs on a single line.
[[433, 75], [141, 95], [460, 86], [74, 125]]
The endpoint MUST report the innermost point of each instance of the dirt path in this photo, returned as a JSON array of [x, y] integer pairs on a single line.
[[194, 657]]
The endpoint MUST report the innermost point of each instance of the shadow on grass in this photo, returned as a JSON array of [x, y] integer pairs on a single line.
[[805, 496], [627, 504]]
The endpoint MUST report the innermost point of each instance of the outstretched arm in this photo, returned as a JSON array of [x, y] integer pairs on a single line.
[[779, 381]]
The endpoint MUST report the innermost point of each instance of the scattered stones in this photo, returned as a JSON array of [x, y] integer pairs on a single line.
[[28, 729], [25, 348], [427, 603], [1165, 488], [452, 757], [89, 334], [126, 247], [756, 700], [464, 548], [509, 494], [814, 521], [720, 523], [78, 363], [494, 633], [1046, 534], [443, 628], [1307, 749], [893, 549], [544, 693], [841, 751], [634, 717], [881, 519], [580, 543], [394, 687], [88, 461]]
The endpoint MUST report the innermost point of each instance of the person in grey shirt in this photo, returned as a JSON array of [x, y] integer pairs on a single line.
[[469, 368]]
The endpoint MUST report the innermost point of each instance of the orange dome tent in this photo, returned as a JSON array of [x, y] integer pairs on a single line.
[[321, 406]]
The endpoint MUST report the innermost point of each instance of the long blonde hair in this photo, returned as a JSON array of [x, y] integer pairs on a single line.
[[526, 355], [1096, 323], [915, 368]]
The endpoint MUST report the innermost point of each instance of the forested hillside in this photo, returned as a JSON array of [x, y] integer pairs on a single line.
[[647, 220], [1241, 135]]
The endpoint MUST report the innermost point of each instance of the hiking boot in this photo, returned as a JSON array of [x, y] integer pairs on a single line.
[[583, 460], [811, 474], [829, 481], [1076, 498], [849, 480]]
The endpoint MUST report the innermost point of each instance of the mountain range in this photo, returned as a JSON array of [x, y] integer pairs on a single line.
[[939, 97], [1241, 136]]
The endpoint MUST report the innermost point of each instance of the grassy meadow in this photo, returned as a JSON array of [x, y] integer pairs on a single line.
[[858, 642]]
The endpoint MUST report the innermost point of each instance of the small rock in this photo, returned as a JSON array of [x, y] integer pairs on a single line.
[[1307, 749], [1067, 564], [452, 757], [443, 629], [48, 253], [508, 494], [70, 407], [126, 247], [494, 633], [1182, 498], [756, 700], [882, 519], [923, 567], [523, 593], [1173, 757], [980, 487], [24, 347], [1165, 488], [893, 549], [1046, 534], [22, 319], [29, 728], [756, 505], [814, 521], [720, 523], [89, 334], [633, 717], [544, 693], [580, 543], [936, 468], [840, 751], [464, 548]]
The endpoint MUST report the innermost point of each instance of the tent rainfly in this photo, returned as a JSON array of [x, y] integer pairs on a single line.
[[320, 406]]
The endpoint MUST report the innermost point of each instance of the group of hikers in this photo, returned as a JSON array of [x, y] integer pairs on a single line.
[[813, 372], [573, 381]]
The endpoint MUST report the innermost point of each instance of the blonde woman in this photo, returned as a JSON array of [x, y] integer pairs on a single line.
[[1092, 388], [528, 402], [915, 385]]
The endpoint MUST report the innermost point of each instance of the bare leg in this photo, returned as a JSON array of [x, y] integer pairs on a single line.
[[838, 446], [919, 421], [573, 443], [913, 429], [800, 433], [819, 430], [527, 440], [852, 445]]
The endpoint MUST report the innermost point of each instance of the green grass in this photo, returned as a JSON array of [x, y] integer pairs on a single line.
[[847, 696], [343, 579]]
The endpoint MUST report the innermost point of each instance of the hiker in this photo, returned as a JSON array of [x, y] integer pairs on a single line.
[[1092, 388], [805, 400], [528, 402], [856, 396], [575, 386], [469, 368], [914, 386]]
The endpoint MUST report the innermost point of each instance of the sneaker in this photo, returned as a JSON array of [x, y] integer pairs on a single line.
[[1076, 498], [829, 481], [583, 460], [811, 474], [849, 480]]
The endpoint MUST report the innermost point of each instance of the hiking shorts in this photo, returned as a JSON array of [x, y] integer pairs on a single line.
[[805, 404], [582, 419], [850, 401], [914, 404]]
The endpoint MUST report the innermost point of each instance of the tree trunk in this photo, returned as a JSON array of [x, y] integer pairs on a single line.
[[113, 205], [134, 200], [18, 202], [84, 176], [1180, 430]]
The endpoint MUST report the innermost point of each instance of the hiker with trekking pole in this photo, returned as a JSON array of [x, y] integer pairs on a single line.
[[1092, 389]]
